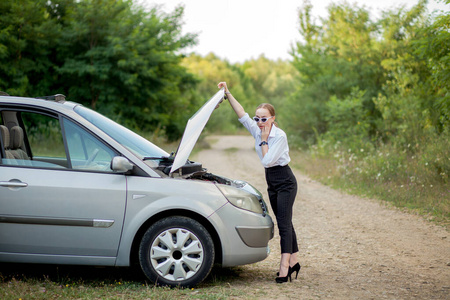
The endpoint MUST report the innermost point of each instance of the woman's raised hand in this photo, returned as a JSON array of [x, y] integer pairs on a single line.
[[223, 84], [265, 131], [238, 109]]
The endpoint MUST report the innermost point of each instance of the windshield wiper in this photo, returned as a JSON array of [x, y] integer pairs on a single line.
[[154, 158], [162, 158]]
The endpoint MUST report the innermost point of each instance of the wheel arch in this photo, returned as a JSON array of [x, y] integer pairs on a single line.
[[134, 253]]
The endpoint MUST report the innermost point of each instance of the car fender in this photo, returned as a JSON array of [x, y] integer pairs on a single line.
[[141, 211]]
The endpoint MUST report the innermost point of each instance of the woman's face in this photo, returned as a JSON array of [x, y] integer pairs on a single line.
[[263, 113]]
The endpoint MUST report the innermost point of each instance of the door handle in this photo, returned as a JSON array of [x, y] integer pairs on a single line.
[[13, 184]]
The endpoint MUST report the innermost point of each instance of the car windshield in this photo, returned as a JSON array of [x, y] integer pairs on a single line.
[[127, 138]]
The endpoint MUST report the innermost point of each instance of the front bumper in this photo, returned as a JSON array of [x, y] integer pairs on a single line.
[[244, 235]]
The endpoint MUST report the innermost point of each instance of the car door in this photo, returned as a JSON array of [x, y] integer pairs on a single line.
[[63, 200]]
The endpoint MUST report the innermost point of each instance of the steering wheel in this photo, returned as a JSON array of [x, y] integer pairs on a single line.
[[92, 157]]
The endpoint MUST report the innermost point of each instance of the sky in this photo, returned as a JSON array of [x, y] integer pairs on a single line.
[[239, 30]]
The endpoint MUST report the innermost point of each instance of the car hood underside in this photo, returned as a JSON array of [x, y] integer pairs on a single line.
[[194, 127]]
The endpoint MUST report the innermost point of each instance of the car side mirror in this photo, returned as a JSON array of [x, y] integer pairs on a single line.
[[120, 164]]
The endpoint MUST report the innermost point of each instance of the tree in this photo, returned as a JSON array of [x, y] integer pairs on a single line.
[[433, 47], [271, 80], [350, 51], [26, 33]]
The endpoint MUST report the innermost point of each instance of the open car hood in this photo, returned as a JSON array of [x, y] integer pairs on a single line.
[[194, 128]]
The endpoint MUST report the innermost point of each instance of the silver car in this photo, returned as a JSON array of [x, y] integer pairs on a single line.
[[77, 188]]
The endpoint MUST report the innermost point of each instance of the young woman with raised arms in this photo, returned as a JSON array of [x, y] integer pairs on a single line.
[[272, 148]]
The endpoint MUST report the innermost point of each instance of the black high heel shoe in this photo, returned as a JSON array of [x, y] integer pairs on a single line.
[[296, 268], [285, 278]]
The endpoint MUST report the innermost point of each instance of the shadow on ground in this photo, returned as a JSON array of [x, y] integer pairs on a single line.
[[89, 275]]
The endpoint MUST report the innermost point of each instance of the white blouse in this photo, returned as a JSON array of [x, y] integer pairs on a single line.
[[278, 154]]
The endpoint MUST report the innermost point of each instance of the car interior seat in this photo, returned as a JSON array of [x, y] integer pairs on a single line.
[[6, 140], [16, 142]]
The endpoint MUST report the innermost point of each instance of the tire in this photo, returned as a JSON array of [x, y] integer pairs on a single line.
[[176, 251]]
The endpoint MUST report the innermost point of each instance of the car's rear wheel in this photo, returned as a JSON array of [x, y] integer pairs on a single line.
[[176, 251]]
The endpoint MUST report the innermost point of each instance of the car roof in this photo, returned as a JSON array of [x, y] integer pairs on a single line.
[[57, 105]]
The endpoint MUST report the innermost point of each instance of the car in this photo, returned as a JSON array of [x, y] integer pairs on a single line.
[[77, 188]]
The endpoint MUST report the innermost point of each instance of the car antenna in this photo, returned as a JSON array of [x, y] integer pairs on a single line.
[[57, 97]]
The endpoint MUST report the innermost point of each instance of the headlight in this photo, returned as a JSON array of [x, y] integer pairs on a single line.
[[240, 198]]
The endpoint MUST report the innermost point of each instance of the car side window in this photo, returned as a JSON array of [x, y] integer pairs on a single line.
[[45, 138], [86, 152], [36, 141]]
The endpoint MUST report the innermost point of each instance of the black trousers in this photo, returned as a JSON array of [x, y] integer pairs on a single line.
[[282, 189]]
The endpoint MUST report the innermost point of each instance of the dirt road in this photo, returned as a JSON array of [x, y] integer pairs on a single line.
[[350, 248]]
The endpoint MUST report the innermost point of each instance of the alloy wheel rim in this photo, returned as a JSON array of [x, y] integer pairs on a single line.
[[176, 254]]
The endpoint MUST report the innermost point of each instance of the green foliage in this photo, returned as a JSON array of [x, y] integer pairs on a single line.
[[272, 81], [348, 120], [26, 31], [336, 58], [433, 48], [351, 51]]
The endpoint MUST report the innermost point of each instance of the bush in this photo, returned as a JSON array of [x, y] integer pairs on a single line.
[[413, 176]]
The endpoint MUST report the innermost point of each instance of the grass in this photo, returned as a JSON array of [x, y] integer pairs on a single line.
[[27, 281]]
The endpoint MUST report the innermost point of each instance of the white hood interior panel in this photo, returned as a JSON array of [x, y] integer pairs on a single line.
[[193, 130]]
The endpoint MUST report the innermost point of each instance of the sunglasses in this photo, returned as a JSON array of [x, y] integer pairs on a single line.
[[263, 120]]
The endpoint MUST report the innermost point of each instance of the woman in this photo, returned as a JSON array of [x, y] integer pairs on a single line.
[[273, 150]]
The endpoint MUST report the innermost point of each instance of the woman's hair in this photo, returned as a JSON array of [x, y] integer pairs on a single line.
[[270, 108]]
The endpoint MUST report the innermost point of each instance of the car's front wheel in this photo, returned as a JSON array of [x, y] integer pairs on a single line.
[[176, 251]]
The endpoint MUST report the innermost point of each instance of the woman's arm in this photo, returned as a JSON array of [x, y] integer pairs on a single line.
[[238, 109]]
